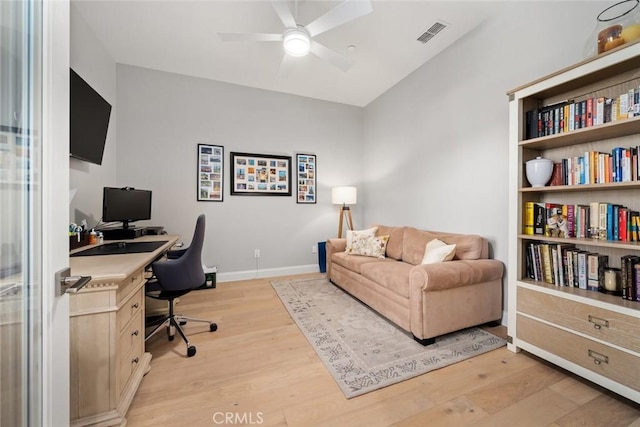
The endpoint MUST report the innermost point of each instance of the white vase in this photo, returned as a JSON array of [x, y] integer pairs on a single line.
[[539, 171]]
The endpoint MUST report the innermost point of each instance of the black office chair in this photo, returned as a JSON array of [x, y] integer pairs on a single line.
[[178, 275]]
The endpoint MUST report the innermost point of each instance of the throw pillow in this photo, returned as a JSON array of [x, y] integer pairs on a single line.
[[371, 232], [438, 251], [369, 246]]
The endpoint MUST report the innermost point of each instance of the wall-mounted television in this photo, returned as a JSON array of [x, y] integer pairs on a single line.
[[125, 205], [89, 121]]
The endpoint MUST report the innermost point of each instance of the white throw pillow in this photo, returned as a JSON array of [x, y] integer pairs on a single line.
[[369, 246], [369, 232], [438, 251]]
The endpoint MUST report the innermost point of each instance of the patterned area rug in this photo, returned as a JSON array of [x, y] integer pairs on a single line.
[[362, 350]]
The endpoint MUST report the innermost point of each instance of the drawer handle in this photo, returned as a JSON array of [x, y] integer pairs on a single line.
[[135, 360], [598, 323], [134, 333], [598, 358], [134, 306]]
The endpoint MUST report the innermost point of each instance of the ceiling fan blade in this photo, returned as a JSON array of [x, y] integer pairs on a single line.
[[344, 12], [286, 66], [327, 54], [250, 37], [284, 13]]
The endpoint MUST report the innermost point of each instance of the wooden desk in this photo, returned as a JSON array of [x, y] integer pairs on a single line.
[[106, 331]]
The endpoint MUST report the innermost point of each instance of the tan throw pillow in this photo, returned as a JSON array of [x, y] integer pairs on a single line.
[[438, 251], [368, 246], [371, 232]]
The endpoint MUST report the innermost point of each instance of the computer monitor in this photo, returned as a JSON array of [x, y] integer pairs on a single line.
[[125, 205]]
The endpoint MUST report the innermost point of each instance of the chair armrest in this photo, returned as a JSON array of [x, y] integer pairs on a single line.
[[176, 253], [453, 274], [332, 246]]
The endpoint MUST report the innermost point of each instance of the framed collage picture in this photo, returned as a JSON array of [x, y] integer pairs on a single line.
[[306, 178], [210, 173], [260, 175]]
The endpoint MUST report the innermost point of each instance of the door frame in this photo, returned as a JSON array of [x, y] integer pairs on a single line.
[[55, 209]]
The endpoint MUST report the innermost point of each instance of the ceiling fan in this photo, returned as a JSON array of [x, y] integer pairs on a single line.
[[298, 40]]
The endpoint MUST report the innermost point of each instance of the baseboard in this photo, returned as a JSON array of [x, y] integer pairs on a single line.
[[267, 272]]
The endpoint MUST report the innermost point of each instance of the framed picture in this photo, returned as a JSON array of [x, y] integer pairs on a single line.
[[306, 178], [260, 175], [210, 172]]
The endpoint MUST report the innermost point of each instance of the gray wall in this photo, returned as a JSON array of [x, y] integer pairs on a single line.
[[96, 66], [431, 152], [163, 116], [436, 144]]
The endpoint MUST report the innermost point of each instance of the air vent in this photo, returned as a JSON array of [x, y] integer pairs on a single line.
[[431, 32]]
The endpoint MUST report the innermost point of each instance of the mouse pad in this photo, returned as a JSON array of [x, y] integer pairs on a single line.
[[116, 248]]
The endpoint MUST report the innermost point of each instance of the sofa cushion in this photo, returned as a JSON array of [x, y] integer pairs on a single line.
[[438, 251], [374, 246], [352, 262], [468, 246], [357, 233], [414, 242], [393, 275], [394, 245]]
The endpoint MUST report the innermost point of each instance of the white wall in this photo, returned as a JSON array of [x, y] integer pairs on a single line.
[[436, 144], [163, 116], [96, 66]]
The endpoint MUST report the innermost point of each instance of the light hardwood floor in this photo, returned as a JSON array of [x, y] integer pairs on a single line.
[[258, 369]]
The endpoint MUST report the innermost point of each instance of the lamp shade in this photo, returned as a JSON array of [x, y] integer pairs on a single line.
[[344, 195]]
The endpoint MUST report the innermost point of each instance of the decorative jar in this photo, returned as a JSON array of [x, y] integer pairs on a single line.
[[539, 171], [617, 25]]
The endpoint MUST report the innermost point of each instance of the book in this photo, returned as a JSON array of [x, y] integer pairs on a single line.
[[627, 267], [539, 218], [531, 129], [596, 264], [553, 218], [529, 218], [563, 263], [582, 269], [547, 266]]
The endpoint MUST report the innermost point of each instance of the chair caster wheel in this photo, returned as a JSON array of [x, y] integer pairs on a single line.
[[191, 351], [183, 322], [171, 337], [213, 327]]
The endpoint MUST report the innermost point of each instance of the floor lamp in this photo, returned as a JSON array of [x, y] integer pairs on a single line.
[[344, 196]]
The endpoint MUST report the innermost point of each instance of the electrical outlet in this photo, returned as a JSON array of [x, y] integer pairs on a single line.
[[314, 249], [256, 253]]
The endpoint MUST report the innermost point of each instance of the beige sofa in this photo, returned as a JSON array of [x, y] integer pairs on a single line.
[[426, 300]]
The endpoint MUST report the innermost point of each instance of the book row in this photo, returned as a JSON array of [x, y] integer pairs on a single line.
[[563, 264], [594, 167], [571, 115], [599, 220]]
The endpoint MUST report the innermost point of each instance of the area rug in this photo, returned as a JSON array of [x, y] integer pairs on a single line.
[[362, 350]]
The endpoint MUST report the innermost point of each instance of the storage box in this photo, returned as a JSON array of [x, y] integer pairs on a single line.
[[210, 277], [75, 243]]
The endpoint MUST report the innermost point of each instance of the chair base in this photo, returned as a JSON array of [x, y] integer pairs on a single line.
[[174, 322]]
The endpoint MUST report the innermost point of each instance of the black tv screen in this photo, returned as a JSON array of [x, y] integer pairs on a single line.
[[89, 121], [125, 205]]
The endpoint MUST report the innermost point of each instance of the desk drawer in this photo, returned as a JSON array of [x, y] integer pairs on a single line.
[[129, 362], [131, 334], [129, 284], [129, 309], [607, 361], [597, 322]]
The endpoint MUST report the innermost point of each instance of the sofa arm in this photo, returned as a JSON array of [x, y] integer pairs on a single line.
[[333, 246], [454, 274]]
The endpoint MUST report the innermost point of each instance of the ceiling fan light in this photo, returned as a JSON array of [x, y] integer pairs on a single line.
[[296, 42]]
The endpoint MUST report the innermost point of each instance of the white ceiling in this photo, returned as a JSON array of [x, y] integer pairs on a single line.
[[180, 36]]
